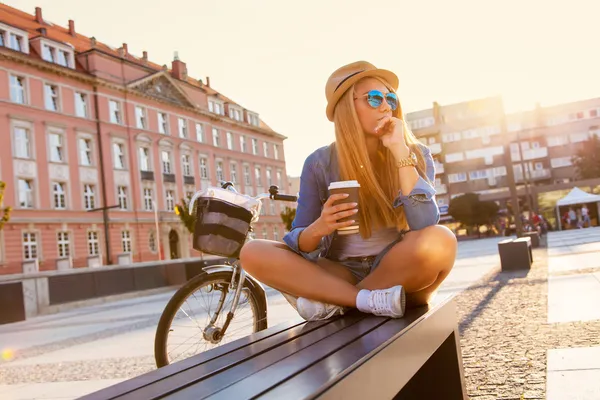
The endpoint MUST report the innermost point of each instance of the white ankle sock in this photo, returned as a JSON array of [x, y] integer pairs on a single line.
[[362, 301]]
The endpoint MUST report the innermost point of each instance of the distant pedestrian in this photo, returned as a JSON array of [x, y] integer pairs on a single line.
[[585, 216]]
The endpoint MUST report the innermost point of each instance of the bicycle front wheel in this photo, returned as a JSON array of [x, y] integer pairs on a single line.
[[185, 327]]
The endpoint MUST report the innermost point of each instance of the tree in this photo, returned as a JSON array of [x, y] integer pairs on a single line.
[[7, 210], [183, 211], [587, 159], [287, 216], [470, 211]]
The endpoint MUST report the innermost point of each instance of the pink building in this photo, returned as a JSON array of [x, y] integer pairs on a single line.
[[85, 126]]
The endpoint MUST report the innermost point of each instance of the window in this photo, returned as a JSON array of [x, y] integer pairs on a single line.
[[275, 233], [126, 241], [60, 199], [93, 243], [276, 151], [119, 155], [253, 119], [579, 137], [454, 157], [269, 178], [560, 140], [266, 149], [17, 89], [243, 144], [199, 132], [152, 241], [257, 176], [89, 197], [145, 159], [264, 231], [215, 134], [63, 58], [51, 97], [538, 166], [56, 148], [30, 246], [185, 160], [255, 146], [122, 197], [63, 244], [140, 117], [170, 200], [22, 143], [229, 141], [234, 113], [166, 162], [279, 182], [561, 162], [233, 172], [451, 137], [48, 53], [115, 111], [460, 177], [218, 108], [470, 134], [482, 174], [16, 42], [203, 168], [247, 175], [163, 124], [81, 105], [2, 37], [220, 176], [148, 196], [211, 106], [182, 125], [85, 151], [25, 193]]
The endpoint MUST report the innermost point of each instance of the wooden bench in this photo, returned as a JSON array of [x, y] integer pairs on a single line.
[[356, 356]]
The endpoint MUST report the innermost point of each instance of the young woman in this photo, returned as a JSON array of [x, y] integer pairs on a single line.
[[400, 256]]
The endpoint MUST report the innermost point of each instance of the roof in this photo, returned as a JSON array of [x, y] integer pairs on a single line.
[[81, 43], [578, 196]]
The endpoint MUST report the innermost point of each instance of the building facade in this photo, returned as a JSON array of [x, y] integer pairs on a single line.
[[475, 142], [85, 126]]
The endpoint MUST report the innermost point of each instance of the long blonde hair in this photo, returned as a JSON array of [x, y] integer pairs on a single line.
[[379, 179]]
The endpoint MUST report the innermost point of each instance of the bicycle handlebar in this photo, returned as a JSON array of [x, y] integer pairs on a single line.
[[285, 197]]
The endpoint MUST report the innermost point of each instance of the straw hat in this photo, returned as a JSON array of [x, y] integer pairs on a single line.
[[348, 75]]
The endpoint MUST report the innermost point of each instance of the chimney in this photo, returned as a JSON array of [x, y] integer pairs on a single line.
[[208, 81], [178, 68], [93, 42], [125, 50], [42, 31], [71, 27], [145, 55], [38, 15]]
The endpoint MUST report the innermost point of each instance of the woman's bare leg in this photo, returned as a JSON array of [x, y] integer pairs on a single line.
[[420, 263], [277, 266]]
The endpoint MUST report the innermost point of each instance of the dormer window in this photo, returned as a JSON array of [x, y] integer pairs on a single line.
[[253, 119], [14, 38], [57, 53], [216, 107], [235, 113]]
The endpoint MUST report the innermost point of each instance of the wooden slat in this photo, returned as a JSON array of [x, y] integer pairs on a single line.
[[315, 344], [218, 366], [389, 355], [165, 372]]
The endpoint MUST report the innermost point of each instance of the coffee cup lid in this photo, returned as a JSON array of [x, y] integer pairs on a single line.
[[343, 184]]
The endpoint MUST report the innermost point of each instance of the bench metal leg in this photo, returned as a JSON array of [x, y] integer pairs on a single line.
[[441, 377]]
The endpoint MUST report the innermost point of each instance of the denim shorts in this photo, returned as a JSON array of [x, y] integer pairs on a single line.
[[360, 267]]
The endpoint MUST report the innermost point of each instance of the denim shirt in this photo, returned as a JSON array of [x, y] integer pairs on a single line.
[[321, 168]]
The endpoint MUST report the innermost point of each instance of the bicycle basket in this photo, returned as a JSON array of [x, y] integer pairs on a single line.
[[221, 227]]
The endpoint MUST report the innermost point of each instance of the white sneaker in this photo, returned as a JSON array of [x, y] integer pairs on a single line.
[[388, 302], [315, 311]]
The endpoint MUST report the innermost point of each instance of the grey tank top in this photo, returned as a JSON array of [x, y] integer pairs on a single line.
[[346, 246]]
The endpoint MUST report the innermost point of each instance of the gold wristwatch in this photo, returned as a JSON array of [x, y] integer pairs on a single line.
[[410, 161]]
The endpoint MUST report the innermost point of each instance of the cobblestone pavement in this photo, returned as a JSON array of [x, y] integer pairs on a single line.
[[505, 334]]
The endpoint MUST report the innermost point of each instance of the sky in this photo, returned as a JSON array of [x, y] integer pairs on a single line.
[[274, 56]]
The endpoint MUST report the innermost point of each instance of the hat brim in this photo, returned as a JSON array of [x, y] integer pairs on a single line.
[[384, 74]]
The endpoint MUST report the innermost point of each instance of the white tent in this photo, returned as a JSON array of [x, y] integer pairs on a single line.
[[576, 196]]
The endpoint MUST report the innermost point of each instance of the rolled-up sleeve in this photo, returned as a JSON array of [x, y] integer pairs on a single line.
[[420, 207], [308, 210]]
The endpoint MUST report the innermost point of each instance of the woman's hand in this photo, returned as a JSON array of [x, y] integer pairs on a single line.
[[391, 131], [327, 223]]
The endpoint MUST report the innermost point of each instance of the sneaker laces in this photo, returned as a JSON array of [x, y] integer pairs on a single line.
[[379, 302]]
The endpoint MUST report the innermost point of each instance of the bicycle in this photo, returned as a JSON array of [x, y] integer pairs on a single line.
[[234, 292]]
